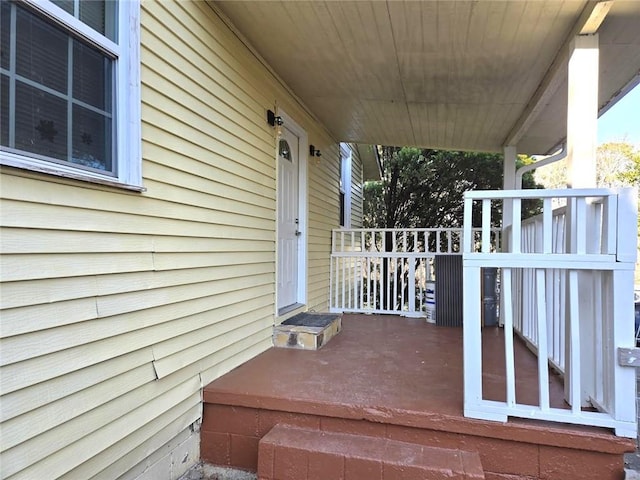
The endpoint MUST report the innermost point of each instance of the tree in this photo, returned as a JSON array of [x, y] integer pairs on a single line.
[[424, 188], [617, 165]]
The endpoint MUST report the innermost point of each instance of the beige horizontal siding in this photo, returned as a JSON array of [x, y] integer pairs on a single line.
[[153, 437], [324, 203], [32, 294], [117, 307], [55, 413], [97, 430], [25, 345], [54, 389]]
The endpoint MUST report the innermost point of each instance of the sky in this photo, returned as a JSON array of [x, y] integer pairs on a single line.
[[622, 121]]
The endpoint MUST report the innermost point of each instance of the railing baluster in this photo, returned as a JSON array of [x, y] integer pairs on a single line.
[[562, 327], [609, 219], [543, 355], [344, 280], [581, 222], [332, 282], [600, 314], [573, 370], [392, 306], [508, 339], [369, 287], [467, 236], [516, 222], [555, 312], [547, 226], [373, 283], [486, 225], [361, 278], [472, 342], [548, 280]]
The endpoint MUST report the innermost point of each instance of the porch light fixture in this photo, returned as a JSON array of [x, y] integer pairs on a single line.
[[273, 120], [313, 152]]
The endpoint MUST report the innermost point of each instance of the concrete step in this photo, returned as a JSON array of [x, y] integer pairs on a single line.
[[292, 453], [307, 331]]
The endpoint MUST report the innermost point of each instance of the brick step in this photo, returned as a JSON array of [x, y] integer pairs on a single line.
[[293, 453]]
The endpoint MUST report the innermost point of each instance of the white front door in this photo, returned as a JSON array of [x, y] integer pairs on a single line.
[[289, 233]]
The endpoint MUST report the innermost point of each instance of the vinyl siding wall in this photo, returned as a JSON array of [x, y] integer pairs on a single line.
[[117, 307]]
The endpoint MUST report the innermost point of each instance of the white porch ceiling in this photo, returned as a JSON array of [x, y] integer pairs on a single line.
[[468, 75]]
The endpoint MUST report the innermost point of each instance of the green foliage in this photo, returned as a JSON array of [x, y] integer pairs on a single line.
[[617, 165], [631, 176], [424, 188]]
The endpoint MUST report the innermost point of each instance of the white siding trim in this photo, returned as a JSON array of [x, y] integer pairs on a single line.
[[345, 181]]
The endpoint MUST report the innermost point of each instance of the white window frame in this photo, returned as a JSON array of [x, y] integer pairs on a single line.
[[127, 138], [345, 182]]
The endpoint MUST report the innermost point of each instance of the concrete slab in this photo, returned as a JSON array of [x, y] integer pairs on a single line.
[[204, 471]]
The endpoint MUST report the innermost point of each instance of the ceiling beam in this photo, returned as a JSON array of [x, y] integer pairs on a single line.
[[590, 19], [597, 16]]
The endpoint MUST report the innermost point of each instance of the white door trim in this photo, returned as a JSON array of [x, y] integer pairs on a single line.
[[345, 182], [303, 148]]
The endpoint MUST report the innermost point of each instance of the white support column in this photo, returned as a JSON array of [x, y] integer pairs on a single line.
[[582, 111], [622, 318], [582, 132], [508, 183]]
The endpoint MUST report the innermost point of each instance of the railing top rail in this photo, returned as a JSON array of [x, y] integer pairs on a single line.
[[416, 229], [376, 254], [400, 230], [533, 193]]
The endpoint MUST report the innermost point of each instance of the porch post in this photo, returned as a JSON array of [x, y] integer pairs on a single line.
[[582, 129], [624, 377], [582, 111], [508, 183]]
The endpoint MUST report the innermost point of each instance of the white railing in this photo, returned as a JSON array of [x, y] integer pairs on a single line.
[[567, 288], [387, 271], [525, 319]]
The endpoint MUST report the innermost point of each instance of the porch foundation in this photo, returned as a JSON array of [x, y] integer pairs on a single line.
[[402, 382]]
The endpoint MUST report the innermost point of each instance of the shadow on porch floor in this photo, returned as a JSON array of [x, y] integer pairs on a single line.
[[399, 378]]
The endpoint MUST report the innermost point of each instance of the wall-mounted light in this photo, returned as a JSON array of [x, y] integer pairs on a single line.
[[272, 119], [275, 121], [313, 152]]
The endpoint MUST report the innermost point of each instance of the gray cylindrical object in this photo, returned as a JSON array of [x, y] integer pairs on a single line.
[[489, 297]]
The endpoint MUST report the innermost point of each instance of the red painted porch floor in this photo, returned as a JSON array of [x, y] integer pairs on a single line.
[[401, 379]]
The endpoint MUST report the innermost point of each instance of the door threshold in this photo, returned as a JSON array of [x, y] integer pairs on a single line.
[[289, 308]]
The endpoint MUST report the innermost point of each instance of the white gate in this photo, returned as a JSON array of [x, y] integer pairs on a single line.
[[567, 286]]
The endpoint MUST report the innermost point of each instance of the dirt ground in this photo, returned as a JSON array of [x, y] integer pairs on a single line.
[[202, 471]]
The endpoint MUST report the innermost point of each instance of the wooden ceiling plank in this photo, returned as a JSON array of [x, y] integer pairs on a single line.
[[549, 83]]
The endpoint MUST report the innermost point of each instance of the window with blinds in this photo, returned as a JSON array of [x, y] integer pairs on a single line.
[[60, 68]]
